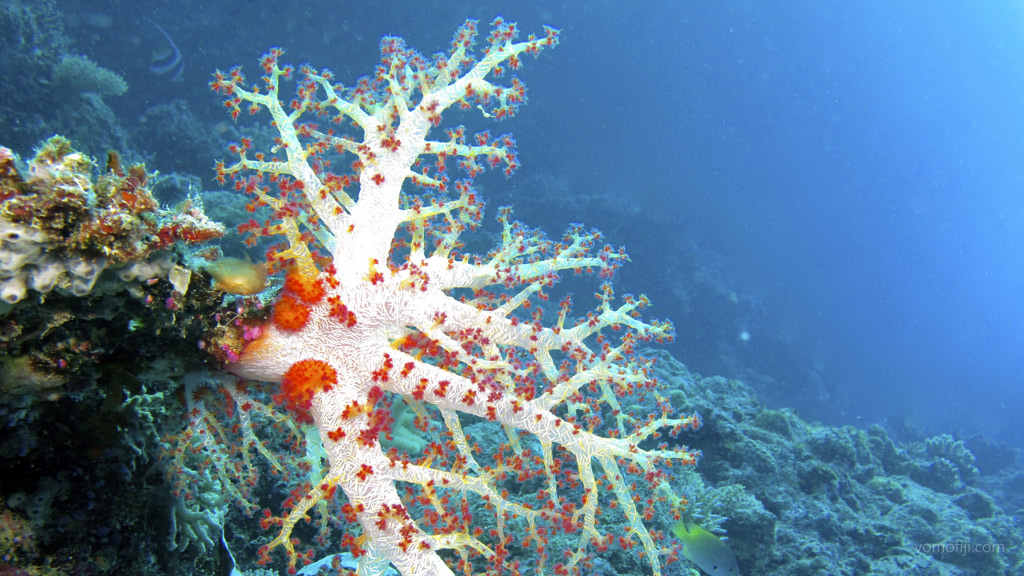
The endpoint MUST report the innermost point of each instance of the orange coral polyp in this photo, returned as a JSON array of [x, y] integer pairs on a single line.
[[290, 314], [307, 289], [304, 379]]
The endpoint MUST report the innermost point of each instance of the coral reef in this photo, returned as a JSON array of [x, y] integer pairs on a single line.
[[127, 450], [60, 230], [178, 139], [45, 89], [76, 74], [794, 497], [89, 387], [821, 500], [32, 34], [16, 539]]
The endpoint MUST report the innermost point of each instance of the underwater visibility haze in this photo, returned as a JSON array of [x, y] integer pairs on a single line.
[[511, 287]]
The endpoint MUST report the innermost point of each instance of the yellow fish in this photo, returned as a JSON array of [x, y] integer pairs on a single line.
[[706, 550]]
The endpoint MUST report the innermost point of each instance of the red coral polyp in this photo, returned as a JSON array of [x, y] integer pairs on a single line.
[[303, 380], [290, 315], [308, 289]]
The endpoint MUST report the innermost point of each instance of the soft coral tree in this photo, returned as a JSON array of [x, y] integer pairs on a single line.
[[392, 309]]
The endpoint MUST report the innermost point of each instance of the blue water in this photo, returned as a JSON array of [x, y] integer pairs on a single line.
[[824, 196]]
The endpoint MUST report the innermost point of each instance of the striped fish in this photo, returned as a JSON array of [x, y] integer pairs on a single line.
[[167, 62]]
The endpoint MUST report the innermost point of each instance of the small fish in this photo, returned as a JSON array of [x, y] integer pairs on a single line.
[[237, 276], [706, 550], [168, 60]]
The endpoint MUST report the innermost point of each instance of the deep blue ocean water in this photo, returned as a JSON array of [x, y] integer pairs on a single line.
[[826, 197]]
